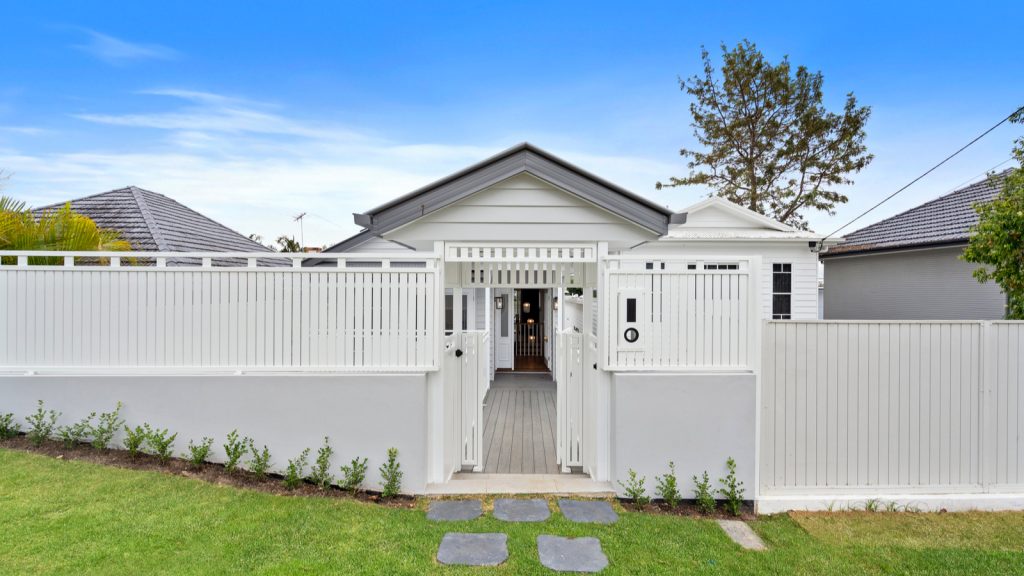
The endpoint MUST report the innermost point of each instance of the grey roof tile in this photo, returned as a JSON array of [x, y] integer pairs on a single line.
[[154, 222], [947, 219]]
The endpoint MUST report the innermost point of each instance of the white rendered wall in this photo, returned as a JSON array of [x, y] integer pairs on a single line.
[[694, 420], [362, 414]]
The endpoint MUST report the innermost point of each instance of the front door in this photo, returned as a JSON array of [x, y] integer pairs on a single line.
[[504, 330]]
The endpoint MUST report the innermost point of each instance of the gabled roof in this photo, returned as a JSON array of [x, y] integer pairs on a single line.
[[154, 222], [945, 220], [523, 157], [739, 223]]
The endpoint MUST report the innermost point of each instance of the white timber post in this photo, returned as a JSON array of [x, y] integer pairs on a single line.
[[602, 388], [435, 379]]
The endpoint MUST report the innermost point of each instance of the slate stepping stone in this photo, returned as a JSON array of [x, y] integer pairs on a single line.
[[473, 549], [592, 511], [571, 554], [512, 510], [741, 533], [450, 510]]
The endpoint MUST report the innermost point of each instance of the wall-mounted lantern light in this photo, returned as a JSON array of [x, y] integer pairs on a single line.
[[526, 307], [554, 304], [499, 302]]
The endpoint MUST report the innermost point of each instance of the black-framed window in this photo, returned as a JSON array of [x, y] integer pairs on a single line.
[[782, 291]]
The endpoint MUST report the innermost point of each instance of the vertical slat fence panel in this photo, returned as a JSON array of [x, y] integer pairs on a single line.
[[181, 318], [876, 406]]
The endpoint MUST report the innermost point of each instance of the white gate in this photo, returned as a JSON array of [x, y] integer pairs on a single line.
[[570, 399], [466, 379]]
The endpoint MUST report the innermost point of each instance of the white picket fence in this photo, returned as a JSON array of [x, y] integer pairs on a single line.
[[356, 314], [876, 406], [686, 318], [467, 378]]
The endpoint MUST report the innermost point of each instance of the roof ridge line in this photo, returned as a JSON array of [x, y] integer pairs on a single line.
[[983, 180], [150, 221]]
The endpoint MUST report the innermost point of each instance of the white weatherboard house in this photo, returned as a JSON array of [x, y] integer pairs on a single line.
[[443, 329]]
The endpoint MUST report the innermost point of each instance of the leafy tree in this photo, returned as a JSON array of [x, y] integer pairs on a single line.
[[288, 244], [58, 229], [769, 143], [997, 240]]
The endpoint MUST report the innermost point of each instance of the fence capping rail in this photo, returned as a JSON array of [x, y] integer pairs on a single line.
[[228, 260]]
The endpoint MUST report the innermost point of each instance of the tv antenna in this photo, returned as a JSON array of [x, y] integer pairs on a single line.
[[302, 232]]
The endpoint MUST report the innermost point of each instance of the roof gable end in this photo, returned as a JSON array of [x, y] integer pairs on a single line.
[[523, 158], [718, 212]]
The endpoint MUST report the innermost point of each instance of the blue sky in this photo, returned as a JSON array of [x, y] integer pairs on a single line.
[[253, 112]]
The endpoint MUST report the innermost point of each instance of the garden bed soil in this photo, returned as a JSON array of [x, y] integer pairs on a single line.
[[689, 508], [273, 484], [208, 472]]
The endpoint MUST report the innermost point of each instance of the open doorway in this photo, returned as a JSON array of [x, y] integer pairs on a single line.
[[524, 324], [520, 409]]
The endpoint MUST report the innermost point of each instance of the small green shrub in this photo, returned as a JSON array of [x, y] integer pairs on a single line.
[[732, 489], [197, 453], [160, 442], [8, 427], [41, 424], [260, 461], [234, 449], [134, 438], [634, 489], [296, 470], [108, 425], [73, 434], [391, 473], [703, 494], [668, 487], [321, 473], [353, 475]]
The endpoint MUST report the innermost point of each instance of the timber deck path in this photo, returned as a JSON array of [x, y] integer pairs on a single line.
[[519, 425]]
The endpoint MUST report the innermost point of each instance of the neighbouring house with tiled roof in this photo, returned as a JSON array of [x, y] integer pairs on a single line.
[[153, 222], [909, 267]]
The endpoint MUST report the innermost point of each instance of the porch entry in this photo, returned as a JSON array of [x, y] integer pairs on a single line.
[[514, 376], [525, 321]]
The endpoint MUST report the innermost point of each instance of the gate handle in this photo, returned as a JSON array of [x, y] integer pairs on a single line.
[[595, 365], [458, 353]]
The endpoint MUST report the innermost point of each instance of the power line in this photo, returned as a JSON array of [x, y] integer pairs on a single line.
[[929, 171]]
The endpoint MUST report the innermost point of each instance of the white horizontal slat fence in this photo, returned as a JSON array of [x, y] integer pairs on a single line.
[[878, 406], [208, 317], [687, 319]]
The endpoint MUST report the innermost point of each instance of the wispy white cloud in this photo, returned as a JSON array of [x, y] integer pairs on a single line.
[[208, 112], [24, 130], [120, 52], [253, 166]]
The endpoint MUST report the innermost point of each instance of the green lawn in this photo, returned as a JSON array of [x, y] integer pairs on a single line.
[[66, 517]]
